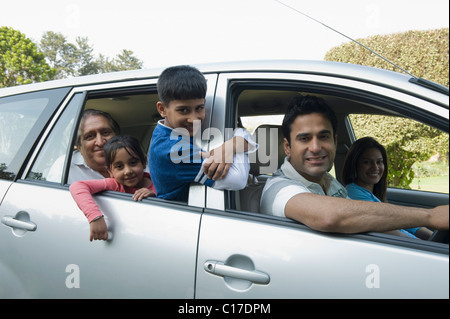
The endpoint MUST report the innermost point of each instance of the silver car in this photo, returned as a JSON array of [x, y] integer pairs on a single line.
[[218, 244]]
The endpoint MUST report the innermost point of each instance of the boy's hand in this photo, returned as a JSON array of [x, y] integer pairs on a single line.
[[220, 159], [99, 231], [142, 193]]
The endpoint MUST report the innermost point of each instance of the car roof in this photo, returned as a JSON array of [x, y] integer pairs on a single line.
[[390, 79]]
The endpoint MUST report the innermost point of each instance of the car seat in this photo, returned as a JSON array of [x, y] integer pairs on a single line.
[[263, 163]]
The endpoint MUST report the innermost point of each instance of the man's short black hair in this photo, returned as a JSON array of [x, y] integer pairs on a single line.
[[303, 105], [181, 82]]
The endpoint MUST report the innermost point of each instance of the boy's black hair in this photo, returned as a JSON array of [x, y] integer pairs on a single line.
[[303, 105], [129, 143], [181, 82]]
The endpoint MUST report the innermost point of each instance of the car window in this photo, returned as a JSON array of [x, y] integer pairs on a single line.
[[49, 164], [22, 119], [260, 106], [417, 153], [135, 112], [18, 115]]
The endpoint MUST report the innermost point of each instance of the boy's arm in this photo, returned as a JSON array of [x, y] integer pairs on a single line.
[[220, 159], [237, 176]]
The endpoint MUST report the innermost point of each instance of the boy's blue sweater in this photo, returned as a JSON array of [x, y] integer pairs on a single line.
[[174, 164]]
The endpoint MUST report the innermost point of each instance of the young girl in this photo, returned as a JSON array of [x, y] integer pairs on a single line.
[[125, 162], [365, 176]]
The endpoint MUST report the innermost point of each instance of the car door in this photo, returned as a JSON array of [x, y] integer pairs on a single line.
[[22, 116], [264, 257], [244, 254], [151, 251]]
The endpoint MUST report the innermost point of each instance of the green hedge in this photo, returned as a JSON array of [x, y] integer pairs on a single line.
[[422, 53]]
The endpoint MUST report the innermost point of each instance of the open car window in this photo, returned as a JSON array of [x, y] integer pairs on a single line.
[[261, 111], [134, 110]]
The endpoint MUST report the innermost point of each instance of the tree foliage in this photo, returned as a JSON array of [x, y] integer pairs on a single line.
[[59, 53], [422, 53], [77, 59], [122, 62], [20, 60]]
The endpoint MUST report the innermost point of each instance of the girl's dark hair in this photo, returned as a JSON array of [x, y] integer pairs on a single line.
[[349, 172], [303, 105], [181, 82], [129, 143]]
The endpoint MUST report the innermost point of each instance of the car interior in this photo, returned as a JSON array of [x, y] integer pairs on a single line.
[[137, 116], [254, 103], [135, 112], [260, 111]]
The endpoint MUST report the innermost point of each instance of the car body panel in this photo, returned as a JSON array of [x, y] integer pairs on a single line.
[[302, 263], [359, 73], [118, 268]]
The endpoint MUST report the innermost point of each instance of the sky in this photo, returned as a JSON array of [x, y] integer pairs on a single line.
[[162, 33]]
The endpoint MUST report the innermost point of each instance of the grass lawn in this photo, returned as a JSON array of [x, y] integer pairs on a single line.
[[432, 184]]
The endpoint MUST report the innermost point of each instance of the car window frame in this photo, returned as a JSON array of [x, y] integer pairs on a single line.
[[197, 192], [229, 86], [86, 90], [56, 96]]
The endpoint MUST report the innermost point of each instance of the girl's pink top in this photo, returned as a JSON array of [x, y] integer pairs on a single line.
[[82, 193]]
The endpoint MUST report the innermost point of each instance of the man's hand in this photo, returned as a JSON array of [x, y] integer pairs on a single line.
[[439, 218]]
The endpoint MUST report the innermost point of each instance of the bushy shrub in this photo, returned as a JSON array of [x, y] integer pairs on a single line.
[[422, 53]]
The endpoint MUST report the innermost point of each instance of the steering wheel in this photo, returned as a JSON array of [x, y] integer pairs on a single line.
[[439, 236]]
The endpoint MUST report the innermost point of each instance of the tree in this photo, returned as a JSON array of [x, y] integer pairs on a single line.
[[126, 61], [77, 59], [122, 62], [20, 60], [59, 53], [86, 62], [66, 58]]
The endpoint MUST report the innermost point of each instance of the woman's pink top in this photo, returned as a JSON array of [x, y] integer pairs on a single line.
[[82, 193]]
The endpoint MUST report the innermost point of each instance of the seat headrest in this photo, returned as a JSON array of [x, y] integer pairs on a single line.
[[270, 154]]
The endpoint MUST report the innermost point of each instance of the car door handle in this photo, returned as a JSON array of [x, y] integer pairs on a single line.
[[220, 269], [19, 224]]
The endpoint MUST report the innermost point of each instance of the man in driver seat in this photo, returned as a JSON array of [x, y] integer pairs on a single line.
[[297, 189]]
